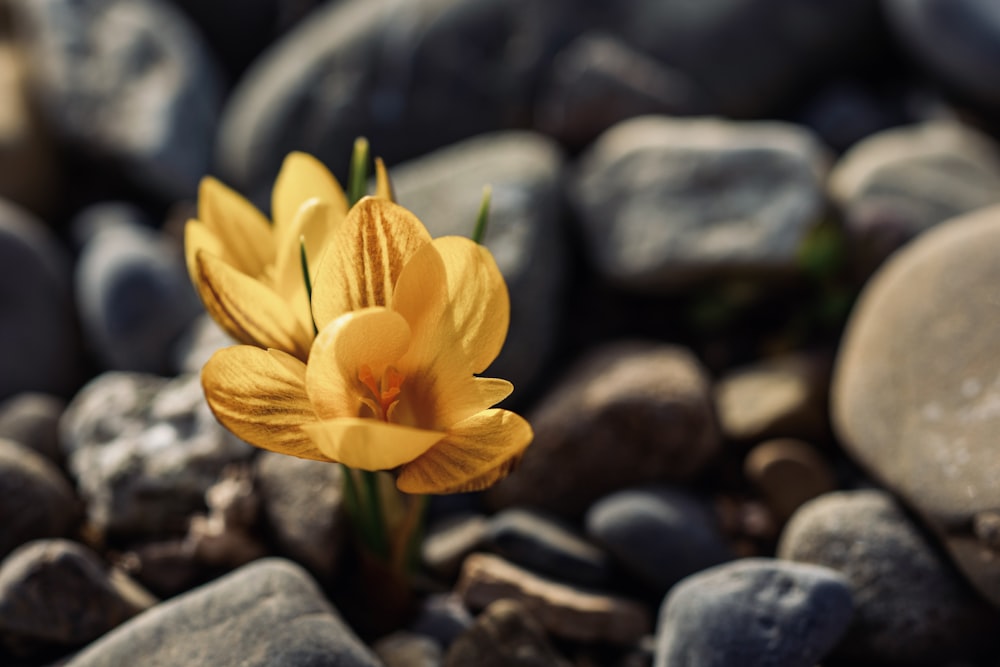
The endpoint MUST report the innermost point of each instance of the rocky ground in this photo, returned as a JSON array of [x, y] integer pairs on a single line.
[[751, 249]]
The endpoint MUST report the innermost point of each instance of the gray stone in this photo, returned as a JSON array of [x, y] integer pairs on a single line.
[[900, 182], [505, 635], [779, 396], [443, 617], [958, 40], [916, 387], [548, 546], [266, 614], [37, 499], [450, 539], [134, 297], [38, 332], [445, 189], [411, 76], [144, 450], [32, 419], [565, 611], [60, 593], [753, 612], [408, 649], [303, 508], [197, 343], [659, 535], [911, 607], [130, 81], [626, 415], [665, 201]]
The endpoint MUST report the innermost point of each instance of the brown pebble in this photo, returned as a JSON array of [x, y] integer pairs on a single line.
[[787, 473]]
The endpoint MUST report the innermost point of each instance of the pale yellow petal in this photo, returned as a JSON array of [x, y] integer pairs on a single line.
[[455, 299], [197, 237], [373, 337], [439, 397], [260, 396], [383, 186], [474, 454], [247, 310], [242, 230], [303, 177], [364, 258], [311, 224], [369, 444]]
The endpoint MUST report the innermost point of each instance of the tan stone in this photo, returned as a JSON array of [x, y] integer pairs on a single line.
[[787, 473]]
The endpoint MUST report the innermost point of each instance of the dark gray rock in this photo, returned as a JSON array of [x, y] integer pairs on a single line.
[[37, 499], [134, 297], [505, 635], [410, 76], [659, 535], [664, 201], [449, 539], [445, 189], [303, 508], [129, 81], [38, 333], [898, 183], [915, 394], [626, 415], [753, 612], [198, 343], [443, 617], [958, 40], [60, 593], [266, 614], [911, 607], [32, 419], [143, 451], [547, 545]]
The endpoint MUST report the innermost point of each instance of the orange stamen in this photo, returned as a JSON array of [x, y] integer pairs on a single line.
[[384, 392]]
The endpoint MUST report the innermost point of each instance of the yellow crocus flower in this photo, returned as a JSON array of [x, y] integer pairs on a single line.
[[247, 270], [405, 324]]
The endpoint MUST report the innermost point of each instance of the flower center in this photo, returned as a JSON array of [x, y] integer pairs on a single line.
[[383, 392]]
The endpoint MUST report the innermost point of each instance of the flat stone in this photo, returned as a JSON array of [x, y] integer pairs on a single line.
[[59, 593], [664, 201], [911, 606], [38, 501], [627, 414], [753, 612], [450, 539], [524, 170], [143, 451], [787, 473], [564, 611], [269, 613], [916, 388], [505, 634]]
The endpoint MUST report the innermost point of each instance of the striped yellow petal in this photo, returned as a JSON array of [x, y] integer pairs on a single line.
[[260, 396], [475, 454], [303, 177], [369, 444], [241, 229]]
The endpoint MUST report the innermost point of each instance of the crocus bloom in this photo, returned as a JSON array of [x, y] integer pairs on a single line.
[[405, 324], [247, 270]]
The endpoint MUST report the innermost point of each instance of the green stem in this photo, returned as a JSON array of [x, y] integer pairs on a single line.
[[305, 276], [483, 217], [376, 521], [357, 180]]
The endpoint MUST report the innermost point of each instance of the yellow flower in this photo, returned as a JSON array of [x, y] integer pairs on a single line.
[[247, 270], [405, 323]]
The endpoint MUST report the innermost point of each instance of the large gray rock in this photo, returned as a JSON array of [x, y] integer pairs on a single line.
[[266, 614], [911, 606], [916, 392], [524, 234], [663, 201], [409, 75], [38, 334], [754, 612], [126, 80], [144, 450], [626, 415]]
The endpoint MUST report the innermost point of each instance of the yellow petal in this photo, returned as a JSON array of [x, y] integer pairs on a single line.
[[198, 237], [303, 177], [369, 444], [311, 225], [249, 311], [437, 398], [364, 258], [242, 230], [455, 299], [383, 186], [260, 396], [474, 454], [373, 337]]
